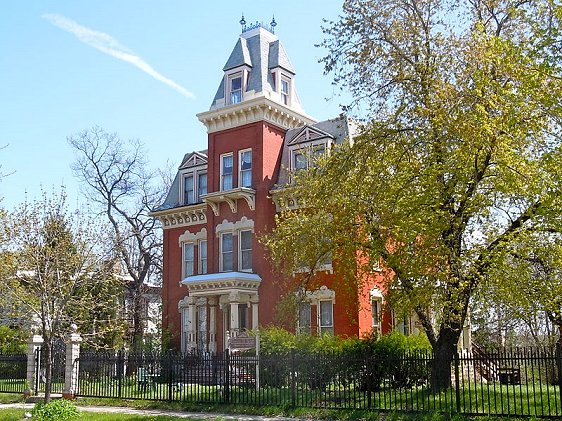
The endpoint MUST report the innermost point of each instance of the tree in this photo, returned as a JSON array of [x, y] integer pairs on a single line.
[[56, 271], [117, 181], [457, 159], [536, 263]]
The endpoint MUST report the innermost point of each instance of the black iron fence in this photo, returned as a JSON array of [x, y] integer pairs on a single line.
[[524, 382], [13, 370]]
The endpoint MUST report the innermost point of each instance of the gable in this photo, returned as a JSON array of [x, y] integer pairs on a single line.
[[308, 134], [194, 159]]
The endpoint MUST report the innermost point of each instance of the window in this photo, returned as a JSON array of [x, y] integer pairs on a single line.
[[226, 172], [376, 315], [188, 190], [191, 191], [226, 252], [202, 184], [243, 316], [306, 157], [326, 317], [300, 161], [245, 262], [235, 88], [202, 257], [188, 259], [285, 90], [304, 321], [245, 178]]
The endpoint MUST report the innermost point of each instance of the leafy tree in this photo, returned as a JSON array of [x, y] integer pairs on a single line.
[[58, 271], [115, 175], [536, 263], [457, 160]]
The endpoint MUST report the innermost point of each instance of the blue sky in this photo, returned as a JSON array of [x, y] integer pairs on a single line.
[[139, 68]]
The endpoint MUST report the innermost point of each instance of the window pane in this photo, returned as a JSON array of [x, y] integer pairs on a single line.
[[202, 187], [202, 257], [326, 313], [285, 91], [188, 189], [245, 250], [226, 252], [300, 160], [187, 259], [236, 90], [226, 172], [246, 169], [304, 318]]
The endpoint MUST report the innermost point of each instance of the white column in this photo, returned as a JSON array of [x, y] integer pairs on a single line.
[[254, 299], [234, 299], [212, 325], [71, 369], [191, 325], [34, 344]]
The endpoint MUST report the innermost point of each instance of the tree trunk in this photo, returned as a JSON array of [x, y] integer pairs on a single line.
[[443, 353], [48, 358]]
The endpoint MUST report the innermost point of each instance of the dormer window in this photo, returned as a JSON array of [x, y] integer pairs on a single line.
[[194, 186], [307, 156], [235, 88], [188, 190], [285, 90]]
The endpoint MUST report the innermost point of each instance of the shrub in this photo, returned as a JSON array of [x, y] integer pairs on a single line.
[[57, 410]]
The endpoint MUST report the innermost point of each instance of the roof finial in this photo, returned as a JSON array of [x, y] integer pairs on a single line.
[[273, 24], [243, 22]]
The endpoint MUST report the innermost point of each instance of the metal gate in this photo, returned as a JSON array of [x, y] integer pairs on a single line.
[[58, 359]]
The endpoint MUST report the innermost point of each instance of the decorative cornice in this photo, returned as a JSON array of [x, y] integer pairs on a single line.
[[251, 111], [222, 283], [230, 196], [183, 216]]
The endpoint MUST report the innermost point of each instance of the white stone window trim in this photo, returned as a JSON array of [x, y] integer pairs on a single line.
[[192, 237], [244, 224]]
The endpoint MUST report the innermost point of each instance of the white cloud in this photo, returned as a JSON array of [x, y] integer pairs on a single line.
[[109, 45]]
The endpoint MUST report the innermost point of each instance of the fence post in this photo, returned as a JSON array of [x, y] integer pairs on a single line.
[[293, 386], [227, 376], [72, 363], [457, 382], [170, 375], [32, 377], [559, 365], [120, 371]]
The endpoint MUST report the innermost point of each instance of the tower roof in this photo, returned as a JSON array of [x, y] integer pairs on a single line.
[[262, 56]]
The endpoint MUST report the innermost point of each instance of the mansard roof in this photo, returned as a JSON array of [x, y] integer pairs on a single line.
[[190, 160]]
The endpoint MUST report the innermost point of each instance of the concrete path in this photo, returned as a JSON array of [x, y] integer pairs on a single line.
[[156, 412]]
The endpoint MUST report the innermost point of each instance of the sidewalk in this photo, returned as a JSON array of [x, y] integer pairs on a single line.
[[156, 412]]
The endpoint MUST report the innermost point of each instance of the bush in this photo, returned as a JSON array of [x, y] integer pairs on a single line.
[[395, 358], [57, 410]]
